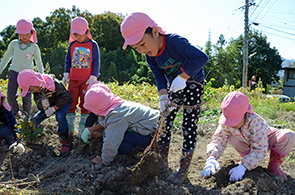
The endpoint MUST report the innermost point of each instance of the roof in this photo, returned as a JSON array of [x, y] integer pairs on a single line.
[[288, 68]]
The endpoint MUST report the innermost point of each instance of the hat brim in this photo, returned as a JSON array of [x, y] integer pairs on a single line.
[[80, 32], [230, 121], [22, 31], [24, 92], [133, 40]]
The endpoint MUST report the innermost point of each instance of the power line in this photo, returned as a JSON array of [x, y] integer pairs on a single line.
[[261, 9], [268, 10], [274, 34], [278, 30], [255, 9]]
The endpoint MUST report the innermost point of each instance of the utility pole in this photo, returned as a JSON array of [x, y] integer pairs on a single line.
[[245, 59]]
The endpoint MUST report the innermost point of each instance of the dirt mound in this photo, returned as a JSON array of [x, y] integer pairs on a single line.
[[41, 168]]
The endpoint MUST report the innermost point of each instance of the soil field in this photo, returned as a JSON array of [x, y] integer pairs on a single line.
[[41, 170]]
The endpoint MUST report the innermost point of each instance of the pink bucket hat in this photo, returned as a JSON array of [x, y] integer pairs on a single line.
[[133, 27], [27, 78], [234, 106], [3, 102], [24, 26], [100, 100], [79, 25]]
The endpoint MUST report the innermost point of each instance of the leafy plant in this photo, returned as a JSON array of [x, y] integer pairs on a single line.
[[28, 130]]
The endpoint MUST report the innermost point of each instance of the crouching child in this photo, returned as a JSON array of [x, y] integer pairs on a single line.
[[51, 97], [8, 126], [127, 125]]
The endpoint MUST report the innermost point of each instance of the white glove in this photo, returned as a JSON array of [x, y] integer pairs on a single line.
[[85, 135], [210, 167], [65, 79], [45, 104], [91, 79], [236, 173], [19, 148], [163, 101], [50, 111], [178, 83]]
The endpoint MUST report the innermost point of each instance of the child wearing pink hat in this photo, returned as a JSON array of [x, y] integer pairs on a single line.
[[22, 51], [250, 135], [51, 97], [81, 68], [174, 60], [8, 130], [127, 125]]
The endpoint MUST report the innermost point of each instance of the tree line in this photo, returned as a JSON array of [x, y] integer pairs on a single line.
[[225, 58]]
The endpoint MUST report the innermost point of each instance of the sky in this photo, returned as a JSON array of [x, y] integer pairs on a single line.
[[198, 21]]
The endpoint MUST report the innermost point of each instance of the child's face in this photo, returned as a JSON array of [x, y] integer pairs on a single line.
[[35, 89], [240, 124], [149, 44], [81, 38], [25, 38]]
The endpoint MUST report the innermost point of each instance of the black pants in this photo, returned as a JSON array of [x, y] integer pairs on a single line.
[[191, 95]]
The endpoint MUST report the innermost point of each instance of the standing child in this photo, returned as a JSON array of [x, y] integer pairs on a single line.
[[250, 135], [50, 97], [170, 57], [82, 68], [8, 125], [126, 124], [22, 51]]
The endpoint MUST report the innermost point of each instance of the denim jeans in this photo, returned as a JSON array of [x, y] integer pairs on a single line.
[[60, 116], [133, 139], [7, 134]]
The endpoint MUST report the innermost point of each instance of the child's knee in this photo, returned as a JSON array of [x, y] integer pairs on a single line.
[[7, 134]]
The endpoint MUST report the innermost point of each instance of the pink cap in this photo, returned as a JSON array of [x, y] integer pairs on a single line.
[[24, 26], [79, 25], [100, 100], [27, 78], [234, 106], [133, 27], [3, 102]]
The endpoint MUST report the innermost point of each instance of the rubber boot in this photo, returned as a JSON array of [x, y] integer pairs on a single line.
[[178, 176], [275, 161], [163, 150], [66, 144], [82, 122], [71, 121]]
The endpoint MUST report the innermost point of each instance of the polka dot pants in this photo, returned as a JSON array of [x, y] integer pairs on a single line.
[[191, 95]]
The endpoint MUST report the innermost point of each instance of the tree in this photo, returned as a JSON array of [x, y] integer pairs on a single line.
[[228, 62], [221, 41], [106, 30], [209, 65], [266, 63]]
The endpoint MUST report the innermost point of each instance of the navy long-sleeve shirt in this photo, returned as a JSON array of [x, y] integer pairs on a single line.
[[177, 56]]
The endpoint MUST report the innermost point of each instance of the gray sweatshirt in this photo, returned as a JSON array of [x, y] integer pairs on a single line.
[[127, 116]]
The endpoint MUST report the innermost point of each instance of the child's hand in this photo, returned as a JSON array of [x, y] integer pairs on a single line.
[[65, 79], [91, 79], [97, 160], [178, 83], [236, 174], [17, 147], [210, 167], [50, 111], [163, 100], [95, 134], [45, 104]]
